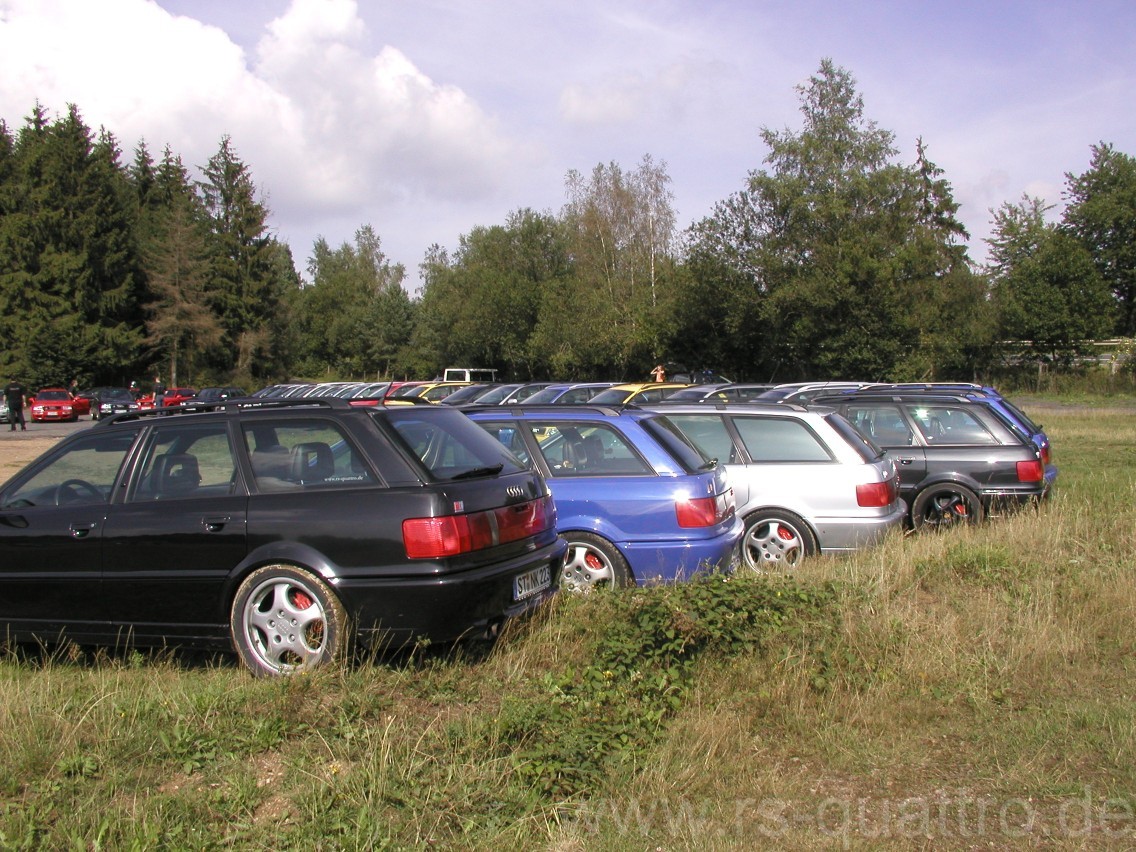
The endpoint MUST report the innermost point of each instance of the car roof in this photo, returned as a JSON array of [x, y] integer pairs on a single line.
[[752, 407]]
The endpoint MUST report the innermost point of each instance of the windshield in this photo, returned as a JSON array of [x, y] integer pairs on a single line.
[[609, 397]]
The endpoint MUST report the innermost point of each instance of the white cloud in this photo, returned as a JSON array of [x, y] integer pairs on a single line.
[[326, 126]]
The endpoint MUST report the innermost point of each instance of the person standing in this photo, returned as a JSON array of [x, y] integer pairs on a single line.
[[659, 374], [159, 391], [14, 395]]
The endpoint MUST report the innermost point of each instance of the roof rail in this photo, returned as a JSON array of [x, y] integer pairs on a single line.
[[261, 403]]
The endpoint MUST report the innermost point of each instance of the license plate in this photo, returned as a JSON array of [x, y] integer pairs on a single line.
[[528, 584]]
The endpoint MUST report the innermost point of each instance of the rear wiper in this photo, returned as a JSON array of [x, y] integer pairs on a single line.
[[475, 472]]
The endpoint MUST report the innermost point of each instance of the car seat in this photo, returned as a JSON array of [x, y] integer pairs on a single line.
[[176, 475], [312, 462]]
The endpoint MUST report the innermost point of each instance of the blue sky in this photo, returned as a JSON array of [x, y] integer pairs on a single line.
[[426, 118]]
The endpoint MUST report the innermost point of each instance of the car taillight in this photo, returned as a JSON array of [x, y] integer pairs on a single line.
[[1031, 471], [705, 511], [452, 535], [1045, 454], [877, 494]]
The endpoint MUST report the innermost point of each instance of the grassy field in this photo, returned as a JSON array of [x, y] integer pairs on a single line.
[[972, 689]]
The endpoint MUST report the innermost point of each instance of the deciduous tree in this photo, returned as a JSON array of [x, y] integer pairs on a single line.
[[1101, 213]]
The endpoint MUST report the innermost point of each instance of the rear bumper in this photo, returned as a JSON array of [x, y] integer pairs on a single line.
[[391, 612], [845, 535], [668, 561]]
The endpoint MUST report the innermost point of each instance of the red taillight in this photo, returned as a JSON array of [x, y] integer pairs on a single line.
[[1031, 471], [877, 494], [452, 535], [705, 511], [1045, 454]]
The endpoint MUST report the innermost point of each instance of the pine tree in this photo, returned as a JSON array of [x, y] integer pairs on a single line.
[[246, 286], [69, 284]]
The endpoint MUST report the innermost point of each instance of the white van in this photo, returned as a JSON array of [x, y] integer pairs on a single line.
[[468, 374]]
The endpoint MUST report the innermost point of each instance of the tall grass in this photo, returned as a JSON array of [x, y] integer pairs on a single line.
[[957, 690]]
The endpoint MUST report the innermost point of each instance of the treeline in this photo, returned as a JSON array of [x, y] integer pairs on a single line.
[[833, 260]]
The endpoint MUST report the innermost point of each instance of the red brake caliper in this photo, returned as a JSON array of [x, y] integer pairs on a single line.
[[784, 533], [593, 562], [301, 600]]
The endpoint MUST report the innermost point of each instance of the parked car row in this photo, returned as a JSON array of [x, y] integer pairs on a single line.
[[312, 515]]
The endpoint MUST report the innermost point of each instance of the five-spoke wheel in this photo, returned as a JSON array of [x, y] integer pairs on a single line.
[[592, 561], [943, 506], [775, 540]]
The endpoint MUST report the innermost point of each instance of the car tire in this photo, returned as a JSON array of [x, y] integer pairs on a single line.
[[944, 506], [285, 619], [592, 562], [776, 540]]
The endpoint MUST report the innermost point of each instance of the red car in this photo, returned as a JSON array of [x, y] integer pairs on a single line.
[[53, 404], [176, 396], [173, 396]]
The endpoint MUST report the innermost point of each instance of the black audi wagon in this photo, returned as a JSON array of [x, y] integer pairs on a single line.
[[284, 528]]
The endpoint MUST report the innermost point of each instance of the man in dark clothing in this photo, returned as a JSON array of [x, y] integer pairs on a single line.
[[14, 395], [159, 391]]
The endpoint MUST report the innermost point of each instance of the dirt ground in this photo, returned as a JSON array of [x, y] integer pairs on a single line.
[[19, 448]]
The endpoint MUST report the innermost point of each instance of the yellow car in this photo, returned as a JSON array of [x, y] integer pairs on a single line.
[[431, 391], [636, 393]]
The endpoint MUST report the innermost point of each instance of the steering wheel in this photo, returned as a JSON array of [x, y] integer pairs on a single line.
[[71, 491]]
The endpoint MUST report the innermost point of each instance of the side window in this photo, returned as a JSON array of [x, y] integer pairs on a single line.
[[510, 437], [708, 432], [780, 439], [587, 449], [186, 460], [83, 473], [884, 424], [946, 424], [289, 455]]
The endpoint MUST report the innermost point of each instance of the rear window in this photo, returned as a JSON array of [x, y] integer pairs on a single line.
[[867, 448], [678, 445], [449, 445], [708, 432], [1020, 415]]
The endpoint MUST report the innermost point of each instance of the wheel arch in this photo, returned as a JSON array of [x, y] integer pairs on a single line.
[[297, 555], [948, 479], [749, 513]]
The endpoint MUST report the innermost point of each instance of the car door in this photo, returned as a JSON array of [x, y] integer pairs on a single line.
[[599, 481], [169, 547], [52, 520]]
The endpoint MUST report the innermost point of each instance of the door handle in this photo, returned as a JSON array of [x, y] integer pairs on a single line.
[[81, 530], [905, 460], [217, 523]]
